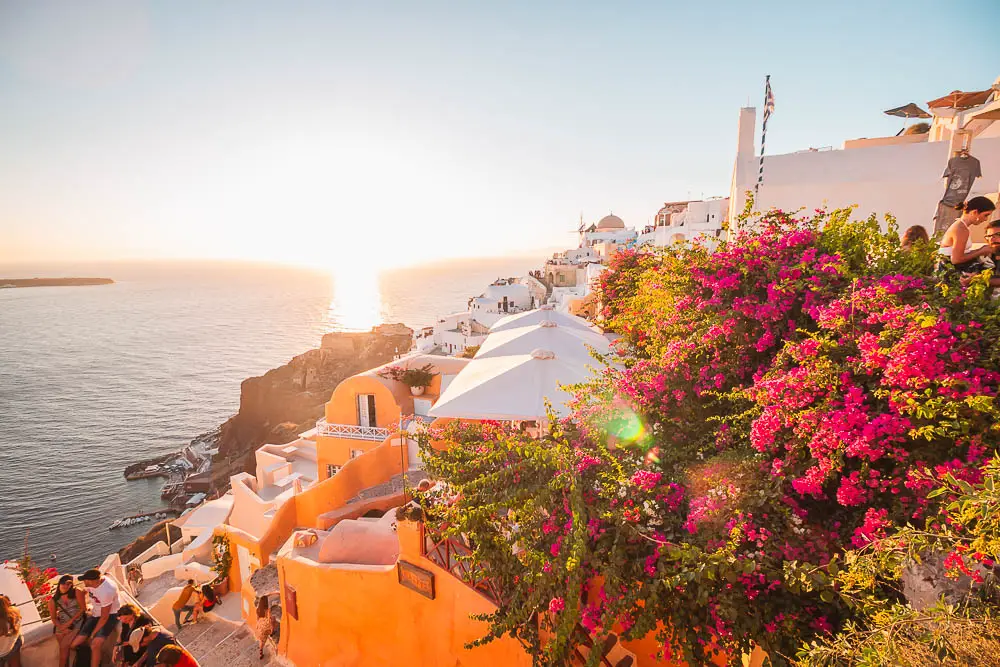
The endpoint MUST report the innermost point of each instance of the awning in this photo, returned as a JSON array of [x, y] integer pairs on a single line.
[[910, 110], [564, 341], [539, 315], [957, 99], [511, 388]]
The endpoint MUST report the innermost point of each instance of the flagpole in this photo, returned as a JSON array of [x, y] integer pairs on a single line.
[[763, 132]]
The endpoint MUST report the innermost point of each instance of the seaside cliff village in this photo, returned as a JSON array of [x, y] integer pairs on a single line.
[[317, 557]]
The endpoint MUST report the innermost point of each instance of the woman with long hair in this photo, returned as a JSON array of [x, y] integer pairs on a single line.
[[265, 626], [10, 633], [66, 609], [914, 235], [956, 244], [207, 601]]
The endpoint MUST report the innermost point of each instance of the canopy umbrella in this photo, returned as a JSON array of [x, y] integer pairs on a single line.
[[545, 313], [959, 100], [511, 388], [568, 341], [910, 110]]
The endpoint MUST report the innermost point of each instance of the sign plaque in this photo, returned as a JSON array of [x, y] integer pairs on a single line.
[[416, 578]]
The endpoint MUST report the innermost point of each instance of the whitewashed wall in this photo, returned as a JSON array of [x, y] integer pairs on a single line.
[[904, 180]]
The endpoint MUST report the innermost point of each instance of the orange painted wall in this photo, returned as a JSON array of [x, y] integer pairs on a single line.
[[375, 467], [349, 617], [342, 409]]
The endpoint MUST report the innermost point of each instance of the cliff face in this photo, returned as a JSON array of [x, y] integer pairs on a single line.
[[287, 400]]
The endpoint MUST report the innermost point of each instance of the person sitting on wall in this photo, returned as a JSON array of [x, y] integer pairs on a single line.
[[131, 619], [103, 619], [206, 601], [146, 643], [10, 633], [956, 245], [67, 607]]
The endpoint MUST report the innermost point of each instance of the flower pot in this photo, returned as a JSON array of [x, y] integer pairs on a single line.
[[417, 391], [221, 587]]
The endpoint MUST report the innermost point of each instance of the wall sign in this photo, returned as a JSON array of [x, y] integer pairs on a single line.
[[416, 578], [291, 602]]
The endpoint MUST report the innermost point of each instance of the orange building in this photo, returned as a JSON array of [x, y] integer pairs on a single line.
[[354, 585]]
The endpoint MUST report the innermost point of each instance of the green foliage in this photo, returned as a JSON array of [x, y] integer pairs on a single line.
[[222, 557], [411, 377]]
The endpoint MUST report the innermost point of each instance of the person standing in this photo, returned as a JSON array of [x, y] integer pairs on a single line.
[[10, 633], [102, 592], [67, 607], [961, 172], [265, 626], [183, 603]]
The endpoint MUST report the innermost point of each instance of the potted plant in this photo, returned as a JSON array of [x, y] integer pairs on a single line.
[[417, 379], [223, 561]]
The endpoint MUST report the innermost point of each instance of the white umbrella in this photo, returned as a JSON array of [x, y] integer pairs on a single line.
[[512, 387], [564, 341], [539, 315]]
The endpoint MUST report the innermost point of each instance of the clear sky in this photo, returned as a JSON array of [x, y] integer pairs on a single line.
[[403, 132]]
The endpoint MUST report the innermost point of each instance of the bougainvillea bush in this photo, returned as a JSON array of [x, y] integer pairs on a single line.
[[788, 397]]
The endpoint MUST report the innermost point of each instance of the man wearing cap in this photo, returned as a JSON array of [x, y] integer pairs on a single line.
[[147, 641], [102, 593]]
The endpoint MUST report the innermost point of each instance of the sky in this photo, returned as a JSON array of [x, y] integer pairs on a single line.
[[396, 133]]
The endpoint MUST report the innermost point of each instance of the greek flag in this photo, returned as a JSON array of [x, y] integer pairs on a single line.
[[768, 110]]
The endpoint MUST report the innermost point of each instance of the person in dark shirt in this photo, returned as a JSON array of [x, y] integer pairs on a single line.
[[147, 641], [131, 619]]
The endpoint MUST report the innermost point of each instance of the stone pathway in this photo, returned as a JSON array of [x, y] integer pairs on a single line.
[[392, 487]]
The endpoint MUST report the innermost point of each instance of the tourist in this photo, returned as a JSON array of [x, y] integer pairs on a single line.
[[147, 641], [914, 235], [103, 619], [131, 619], [10, 633], [956, 245], [265, 626], [206, 602], [175, 656], [183, 603], [67, 607]]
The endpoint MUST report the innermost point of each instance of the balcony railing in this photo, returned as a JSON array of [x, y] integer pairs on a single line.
[[352, 432]]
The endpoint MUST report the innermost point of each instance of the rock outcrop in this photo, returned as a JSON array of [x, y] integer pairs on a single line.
[[287, 400]]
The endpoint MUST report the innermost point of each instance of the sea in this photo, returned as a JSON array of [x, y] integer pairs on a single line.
[[94, 378]]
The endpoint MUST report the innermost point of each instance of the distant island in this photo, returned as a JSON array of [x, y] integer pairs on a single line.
[[53, 282]]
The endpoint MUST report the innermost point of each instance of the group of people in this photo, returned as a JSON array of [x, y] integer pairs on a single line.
[[957, 251], [85, 617], [195, 601]]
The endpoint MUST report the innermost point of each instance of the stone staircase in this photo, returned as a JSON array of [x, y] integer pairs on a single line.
[[390, 488], [223, 643]]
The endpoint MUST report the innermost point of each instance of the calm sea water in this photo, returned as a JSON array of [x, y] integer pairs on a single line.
[[92, 378]]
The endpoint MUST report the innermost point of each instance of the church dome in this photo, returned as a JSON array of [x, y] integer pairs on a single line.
[[609, 222]]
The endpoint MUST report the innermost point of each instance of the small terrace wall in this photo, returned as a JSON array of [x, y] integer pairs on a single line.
[[352, 615]]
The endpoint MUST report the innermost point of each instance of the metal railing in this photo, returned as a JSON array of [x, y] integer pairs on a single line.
[[352, 432]]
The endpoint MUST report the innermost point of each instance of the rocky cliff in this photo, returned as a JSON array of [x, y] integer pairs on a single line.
[[277, 406]]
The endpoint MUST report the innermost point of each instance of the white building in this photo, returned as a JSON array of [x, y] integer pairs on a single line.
[[454, 333], [688, 221], [901, 175]]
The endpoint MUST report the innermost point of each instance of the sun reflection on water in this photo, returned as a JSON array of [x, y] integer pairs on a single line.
[[357, 300]]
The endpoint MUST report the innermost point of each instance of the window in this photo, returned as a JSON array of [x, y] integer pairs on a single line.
[[332, 470], [366, 410], [355, 453]]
